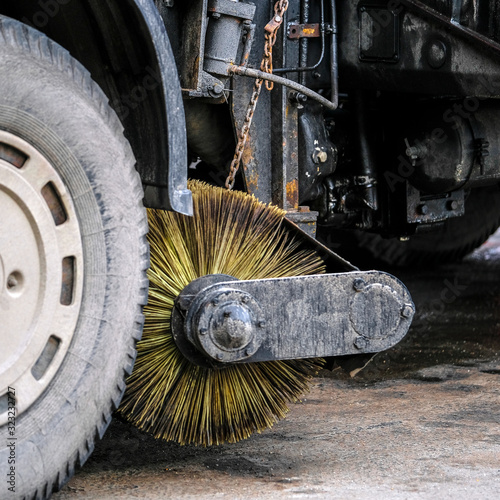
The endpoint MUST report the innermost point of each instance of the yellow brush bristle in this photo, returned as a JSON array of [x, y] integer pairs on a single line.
[[231, 233]]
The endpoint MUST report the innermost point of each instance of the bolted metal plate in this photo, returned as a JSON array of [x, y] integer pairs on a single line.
[[301, 317], [375, 314], [296, 30]]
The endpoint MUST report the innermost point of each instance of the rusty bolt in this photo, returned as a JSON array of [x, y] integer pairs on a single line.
[[277, 19]]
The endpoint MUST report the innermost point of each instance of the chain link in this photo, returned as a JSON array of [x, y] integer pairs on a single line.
[[271, 28]]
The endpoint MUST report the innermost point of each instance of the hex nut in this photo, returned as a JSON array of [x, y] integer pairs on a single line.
[[407, 311], [359, 285]]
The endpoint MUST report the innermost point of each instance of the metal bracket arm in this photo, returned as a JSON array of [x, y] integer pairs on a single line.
[[292, 318]]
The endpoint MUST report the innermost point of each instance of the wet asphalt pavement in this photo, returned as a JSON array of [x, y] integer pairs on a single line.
[[421, 421]]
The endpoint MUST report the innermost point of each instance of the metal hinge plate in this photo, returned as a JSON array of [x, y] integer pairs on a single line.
[[296, 30]]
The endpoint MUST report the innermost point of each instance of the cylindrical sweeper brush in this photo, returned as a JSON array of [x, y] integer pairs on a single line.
[[234, 234]]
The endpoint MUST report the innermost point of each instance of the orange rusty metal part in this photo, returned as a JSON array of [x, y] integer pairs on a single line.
[[251, 174], [68, 281], [12, 155], [292, 194], [303, 31], [53, 200]]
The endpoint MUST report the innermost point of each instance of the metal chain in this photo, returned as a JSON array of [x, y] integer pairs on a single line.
[[271, 28]]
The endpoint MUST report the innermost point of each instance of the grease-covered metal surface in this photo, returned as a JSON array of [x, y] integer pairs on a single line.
[[421, 421]]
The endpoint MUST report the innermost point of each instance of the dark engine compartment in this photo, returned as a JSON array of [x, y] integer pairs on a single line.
[[415, 127]]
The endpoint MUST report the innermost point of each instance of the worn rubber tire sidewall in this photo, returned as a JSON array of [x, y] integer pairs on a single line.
[[47, 99]]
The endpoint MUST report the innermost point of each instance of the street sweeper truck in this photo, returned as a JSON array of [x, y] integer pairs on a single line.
[[186, 189]]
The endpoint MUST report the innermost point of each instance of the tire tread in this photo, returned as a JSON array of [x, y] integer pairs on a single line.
[[23, 37]]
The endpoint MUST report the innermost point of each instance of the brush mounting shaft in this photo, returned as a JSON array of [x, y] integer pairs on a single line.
[[292, 318], [225, 324]]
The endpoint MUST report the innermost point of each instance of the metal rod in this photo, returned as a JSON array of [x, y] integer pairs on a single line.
[[334, 64], [456, 10], [304, 42], [254, 73], [366, 155]]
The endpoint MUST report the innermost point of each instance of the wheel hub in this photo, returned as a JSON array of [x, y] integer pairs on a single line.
[[225, 325], [41, 272]]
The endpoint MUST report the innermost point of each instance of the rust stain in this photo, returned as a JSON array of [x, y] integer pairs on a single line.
[[251, 175], [296, 31], [292, 193]]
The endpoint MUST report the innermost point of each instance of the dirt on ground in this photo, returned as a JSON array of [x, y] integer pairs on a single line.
[[420, 421]]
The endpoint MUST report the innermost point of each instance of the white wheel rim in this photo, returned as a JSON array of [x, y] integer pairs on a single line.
[[41, 272]]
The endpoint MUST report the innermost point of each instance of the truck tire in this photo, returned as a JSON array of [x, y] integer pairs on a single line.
[[73, 260], [451, 242]]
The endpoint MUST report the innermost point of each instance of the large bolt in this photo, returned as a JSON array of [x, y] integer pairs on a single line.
[[216, 89], [319, 155], [359, 284], [297, 97], [407, 311], [436, 54]]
